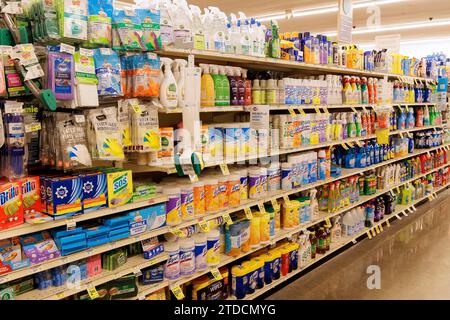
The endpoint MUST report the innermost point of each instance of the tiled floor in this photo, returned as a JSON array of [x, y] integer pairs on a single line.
[[413, 256]]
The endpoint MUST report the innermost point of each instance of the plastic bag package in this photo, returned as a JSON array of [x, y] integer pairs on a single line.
[[108, 71]]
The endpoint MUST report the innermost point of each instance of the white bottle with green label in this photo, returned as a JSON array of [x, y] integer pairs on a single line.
[[169, 90]]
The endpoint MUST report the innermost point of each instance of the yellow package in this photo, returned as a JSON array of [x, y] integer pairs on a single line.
[[255, 231], [120, 187]]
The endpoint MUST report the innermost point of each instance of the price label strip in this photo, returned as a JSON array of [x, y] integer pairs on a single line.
[[373, 232], [377, 229], [369, 235], [177, 292]]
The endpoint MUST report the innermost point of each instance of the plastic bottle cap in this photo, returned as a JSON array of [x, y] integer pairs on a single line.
[[171, 246]]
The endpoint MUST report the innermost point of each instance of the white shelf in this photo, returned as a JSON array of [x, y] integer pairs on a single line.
[[400, 209], [275, 64], [27, 228]]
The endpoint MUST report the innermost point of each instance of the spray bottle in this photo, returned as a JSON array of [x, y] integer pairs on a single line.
[[198, 29], [247, 88], [235, 35], [207, 87], [245, 39], [225, 86], [234, 85], [218, 89], [180, 66], [218, 29], [169, 89]]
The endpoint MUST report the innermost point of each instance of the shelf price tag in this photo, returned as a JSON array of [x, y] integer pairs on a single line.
[[216, 274], [137, 272], [404, 213], [178, 233], [226, 217], [275, 204], [287, 201], [373, 232], [248, 213], [204, 225], [354, 241], [225, 170], [398, 189], [398, 217], [317, 110], [414, 208], [301, 111], [353, 109], [325, 109], [381, 227], [430, 197], [32, 127], [392, 193], [344, 146], [92, 292], [59, 296], [177, 292], [369, 235], [261, 207], [377, 229], [193, 177], [70, 224], [388, 223], [358, 143], [328, 222], [292, 112]]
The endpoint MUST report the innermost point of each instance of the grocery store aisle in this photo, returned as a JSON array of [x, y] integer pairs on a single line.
[[413, 257]]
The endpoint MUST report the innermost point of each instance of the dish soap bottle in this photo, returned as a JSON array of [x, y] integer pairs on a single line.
[[169, 89], [207, 83]]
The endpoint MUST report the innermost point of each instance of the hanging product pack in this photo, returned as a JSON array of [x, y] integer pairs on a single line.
[[107, 69]]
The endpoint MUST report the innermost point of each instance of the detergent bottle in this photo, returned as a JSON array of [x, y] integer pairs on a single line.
[[245, 46], [207, 87], [218, 88], [180, 66], [234, 85], [225, 86], [169, 89], [218, 29], [198, 29], [247, 88]]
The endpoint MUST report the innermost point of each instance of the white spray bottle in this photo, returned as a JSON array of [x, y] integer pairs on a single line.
[[181, 81], [168, 90], [198, 29]]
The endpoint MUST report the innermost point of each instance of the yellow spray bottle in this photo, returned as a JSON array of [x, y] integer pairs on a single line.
[[207, 87]]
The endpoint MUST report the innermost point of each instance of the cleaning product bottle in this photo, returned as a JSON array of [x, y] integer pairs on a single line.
[[281, 92], [263, 85], [198, 29], [364, 91], [218, 86], [275, 50], [235, 33], [225, 86], [256, 92], [247, 88], [245, 46], [216, 35], [169, 89], [271, 92], [180, 65], [351, 132], [234, 85], [207, 87]]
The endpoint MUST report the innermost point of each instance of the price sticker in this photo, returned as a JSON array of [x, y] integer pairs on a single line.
[[398, 217], [301, 111], [292, 112], [344, 146], [317, 110], [112, 245], [275, 204], [204, 225], [86, 52], [216, 274], [398, 189], [64, 47], [404, 213], [80, 118], [141, 297], [369, 235], [377, 229], [354, 241], [92, 292], [325, 109], [350, 144], [410, 210], [193, 177], [353, 109], [261, 207], [226, 217], [414, 208], [364, 108], [137, 272], [381, 228], [248, 213], [178, 233], [59, 296], [177, 292], [388, 223], [430, 198], [373, 232], [136, 107], [287, 201], [328, 222], [90, 252], [225, 170], [71, 224]]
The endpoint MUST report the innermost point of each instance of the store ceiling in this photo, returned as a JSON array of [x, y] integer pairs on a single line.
[[407, 11]]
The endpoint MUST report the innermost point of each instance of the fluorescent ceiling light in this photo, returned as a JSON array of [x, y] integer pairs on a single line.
[[328, 9], [396, 27]]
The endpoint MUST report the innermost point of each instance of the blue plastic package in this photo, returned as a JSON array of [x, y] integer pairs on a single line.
[[107, 69], [99, 22]]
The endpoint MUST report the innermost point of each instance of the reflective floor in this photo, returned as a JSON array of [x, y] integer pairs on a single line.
[[413, 257]]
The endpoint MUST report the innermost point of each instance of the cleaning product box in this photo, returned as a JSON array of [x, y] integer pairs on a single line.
[[94, 265], [11, 256], [70, 241], [122, 288], [31, 198], [95, 192], [208, 288], [147, 219], [64, 196], [120, 187], [118, 227], [11, 208], [151, 247], [39, 247], [97, 235], [153, 274]]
